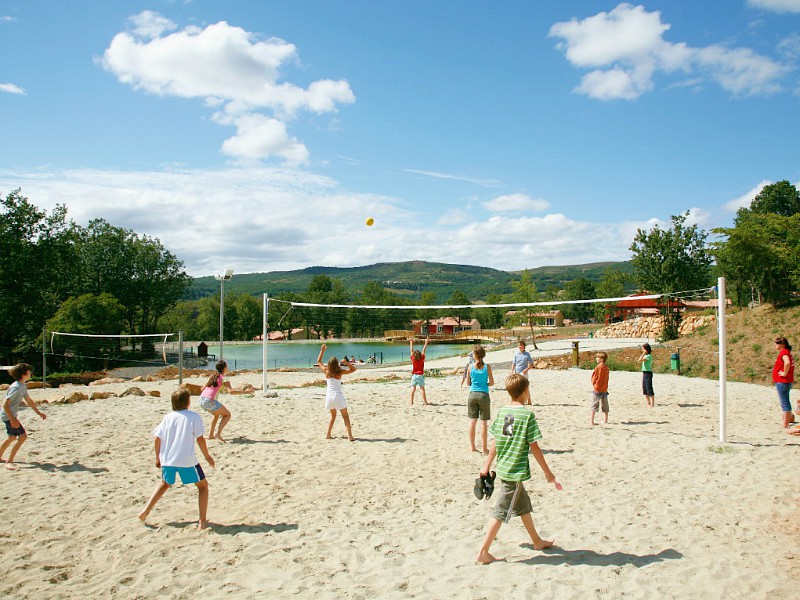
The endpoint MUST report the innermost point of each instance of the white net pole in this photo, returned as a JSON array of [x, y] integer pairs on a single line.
[[721, 301], [264, 363]]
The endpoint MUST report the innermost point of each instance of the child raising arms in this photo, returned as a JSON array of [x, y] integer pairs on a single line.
[[209, 402], [418, 369], [334, 398]]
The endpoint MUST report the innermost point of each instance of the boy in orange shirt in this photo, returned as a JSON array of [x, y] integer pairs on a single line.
[[600, 386]]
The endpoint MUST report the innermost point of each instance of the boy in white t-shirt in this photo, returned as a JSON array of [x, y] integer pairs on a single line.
[[174, 445]]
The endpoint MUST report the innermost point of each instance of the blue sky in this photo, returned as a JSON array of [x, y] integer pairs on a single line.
[[260, 135]]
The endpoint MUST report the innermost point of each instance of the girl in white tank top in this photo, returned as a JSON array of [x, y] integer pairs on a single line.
[[334, 398]]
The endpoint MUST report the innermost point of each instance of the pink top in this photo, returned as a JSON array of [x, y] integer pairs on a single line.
[[211, 392]]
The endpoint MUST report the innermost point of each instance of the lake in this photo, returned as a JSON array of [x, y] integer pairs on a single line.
[[303, 355]]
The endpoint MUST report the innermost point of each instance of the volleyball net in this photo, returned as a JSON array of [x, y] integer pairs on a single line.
[[77, 352]]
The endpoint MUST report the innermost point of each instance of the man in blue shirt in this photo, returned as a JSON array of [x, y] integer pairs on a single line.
[[522, 362]]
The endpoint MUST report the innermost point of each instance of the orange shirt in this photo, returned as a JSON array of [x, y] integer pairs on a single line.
[[600, 378]]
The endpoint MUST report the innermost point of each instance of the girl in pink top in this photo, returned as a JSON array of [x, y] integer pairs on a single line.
[[209, 402]]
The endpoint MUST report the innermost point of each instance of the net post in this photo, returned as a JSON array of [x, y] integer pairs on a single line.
[[264, 384], [721, 305], [180, 357], [44, 357]]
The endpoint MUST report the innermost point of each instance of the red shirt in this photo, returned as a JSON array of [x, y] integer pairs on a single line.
[[788, 375], [418, 366]]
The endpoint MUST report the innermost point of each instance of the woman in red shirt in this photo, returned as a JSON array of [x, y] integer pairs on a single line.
[[783, 376]]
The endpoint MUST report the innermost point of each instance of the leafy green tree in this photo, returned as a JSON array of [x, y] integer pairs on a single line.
[[760, 257], [88, 313], [525, 291], [459, 298], [579, 289], [427, 315], [611, 285], [249, 317], [182, 317], [490, 318], [671, 260], [145, 277], [780, 198], [37, 273]]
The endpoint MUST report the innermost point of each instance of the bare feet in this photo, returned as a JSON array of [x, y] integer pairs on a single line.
[[11, 466], [474, 449], [352, 439], [328, 437], [485, 558], [219, 437], [202, 525], [143, 515], [543, 544]]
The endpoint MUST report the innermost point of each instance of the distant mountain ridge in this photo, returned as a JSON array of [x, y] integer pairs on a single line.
[[408, 279]]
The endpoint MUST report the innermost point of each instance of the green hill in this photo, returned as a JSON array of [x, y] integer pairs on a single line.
[[405, 278]]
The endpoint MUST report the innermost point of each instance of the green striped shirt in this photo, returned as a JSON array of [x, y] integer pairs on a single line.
[[514, 430]]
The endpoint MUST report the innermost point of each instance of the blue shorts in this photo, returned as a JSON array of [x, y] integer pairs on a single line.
[[210, 404], [417, 380], [783, 395], [14, 431], [188, 474]]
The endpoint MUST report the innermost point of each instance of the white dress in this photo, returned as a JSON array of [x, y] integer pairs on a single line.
[[334, 398]]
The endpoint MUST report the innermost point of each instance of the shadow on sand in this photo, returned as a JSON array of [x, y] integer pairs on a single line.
[[246, 441], [72, 468], [396, 440], [562, 556], [236, 528]]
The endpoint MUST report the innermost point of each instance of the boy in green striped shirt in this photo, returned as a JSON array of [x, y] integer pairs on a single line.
[[515, 432]]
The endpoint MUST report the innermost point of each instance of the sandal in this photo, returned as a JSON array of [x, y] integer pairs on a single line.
[[477, 489]]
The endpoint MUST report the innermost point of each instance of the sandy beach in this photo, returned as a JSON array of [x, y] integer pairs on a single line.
[[653, 505]]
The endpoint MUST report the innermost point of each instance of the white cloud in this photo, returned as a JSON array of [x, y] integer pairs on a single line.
[[698, 216], [790, 46], [270, 219], [626, 50], [437, 175], [746, 199], [777, 5], [227, 68], [10, 88], [258, 137], [149, 24], [516, 203]]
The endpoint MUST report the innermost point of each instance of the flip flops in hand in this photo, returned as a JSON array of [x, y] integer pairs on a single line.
[[484, 486]]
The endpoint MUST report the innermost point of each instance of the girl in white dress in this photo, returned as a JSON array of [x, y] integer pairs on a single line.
[[334, 398]]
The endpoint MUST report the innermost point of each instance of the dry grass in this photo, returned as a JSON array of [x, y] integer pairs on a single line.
[[750, 353]]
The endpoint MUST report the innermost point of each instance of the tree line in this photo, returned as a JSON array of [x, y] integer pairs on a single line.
[[105, 279], [98, 279]]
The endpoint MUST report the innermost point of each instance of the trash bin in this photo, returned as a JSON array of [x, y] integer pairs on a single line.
[[675, 361]]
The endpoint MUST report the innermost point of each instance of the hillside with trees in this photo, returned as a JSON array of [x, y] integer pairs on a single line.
[[108, 280]]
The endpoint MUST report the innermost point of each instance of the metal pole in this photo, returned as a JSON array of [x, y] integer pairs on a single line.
[[221, 313], [721, 302], [180, 357], [44, 357], [264, 333]]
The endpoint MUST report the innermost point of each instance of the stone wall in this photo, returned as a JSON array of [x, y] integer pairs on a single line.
[[651, 326]]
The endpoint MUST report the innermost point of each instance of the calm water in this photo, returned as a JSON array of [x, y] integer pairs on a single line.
[[303, 355]]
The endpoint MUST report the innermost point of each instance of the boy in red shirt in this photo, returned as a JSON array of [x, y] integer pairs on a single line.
[[600, 386]]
